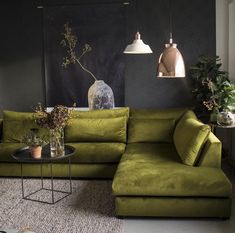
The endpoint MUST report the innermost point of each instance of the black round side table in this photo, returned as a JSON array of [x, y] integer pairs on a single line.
[[23, 156]]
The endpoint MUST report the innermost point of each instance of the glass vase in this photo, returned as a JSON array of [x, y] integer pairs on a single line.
[[100, 96], [57, 142]]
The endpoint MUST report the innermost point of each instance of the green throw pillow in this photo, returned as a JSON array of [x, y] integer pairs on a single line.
[[150, 130], [15, 130], [189, 138], [96, 130]]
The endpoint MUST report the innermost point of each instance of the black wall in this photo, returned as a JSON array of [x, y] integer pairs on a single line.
[[21, 82]]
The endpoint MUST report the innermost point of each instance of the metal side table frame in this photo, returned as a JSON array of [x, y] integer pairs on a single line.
[[69, 151]]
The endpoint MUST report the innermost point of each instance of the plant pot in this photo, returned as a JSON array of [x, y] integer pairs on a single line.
[[36, 151]]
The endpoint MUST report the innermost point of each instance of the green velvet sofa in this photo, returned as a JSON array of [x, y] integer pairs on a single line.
[[164, 163]]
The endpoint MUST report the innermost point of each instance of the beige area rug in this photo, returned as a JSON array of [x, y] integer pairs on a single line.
[[90, 209]]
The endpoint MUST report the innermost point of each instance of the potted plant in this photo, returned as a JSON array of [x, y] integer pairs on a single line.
[[212, 90], [34, 142]]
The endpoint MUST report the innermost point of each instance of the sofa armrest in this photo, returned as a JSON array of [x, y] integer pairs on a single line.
[[211, 153]]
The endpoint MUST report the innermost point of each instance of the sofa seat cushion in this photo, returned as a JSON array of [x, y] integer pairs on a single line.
[[156, 170], [6, 149], [97, 152]]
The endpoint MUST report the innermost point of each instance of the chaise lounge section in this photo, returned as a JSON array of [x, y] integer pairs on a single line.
[[151, 179]]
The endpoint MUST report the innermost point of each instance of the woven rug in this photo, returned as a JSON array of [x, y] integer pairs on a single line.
[[90, 208]]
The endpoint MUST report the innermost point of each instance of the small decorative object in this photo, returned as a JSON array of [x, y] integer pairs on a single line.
[[212, 90], [100, 96], [54, 121], [225, 118], [34, 142]]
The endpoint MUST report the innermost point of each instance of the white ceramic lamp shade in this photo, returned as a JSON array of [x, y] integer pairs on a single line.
[[137, 46]]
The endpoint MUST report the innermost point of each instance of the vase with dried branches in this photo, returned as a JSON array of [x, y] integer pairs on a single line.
[[100, 95], [54, 121]]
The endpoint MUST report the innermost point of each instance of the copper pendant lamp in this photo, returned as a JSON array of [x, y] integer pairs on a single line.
[[137, 46], [171, 62]]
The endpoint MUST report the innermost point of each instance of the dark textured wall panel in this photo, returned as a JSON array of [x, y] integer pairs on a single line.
[[193, 31], [21, 83]]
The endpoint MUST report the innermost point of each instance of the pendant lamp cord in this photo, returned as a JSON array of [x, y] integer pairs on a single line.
[[136, 15], [170, 21]]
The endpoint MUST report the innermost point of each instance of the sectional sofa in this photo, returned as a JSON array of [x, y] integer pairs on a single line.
[[164, 163]]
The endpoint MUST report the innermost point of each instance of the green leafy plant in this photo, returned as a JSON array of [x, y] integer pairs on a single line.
[[212, 89], [32, 139]]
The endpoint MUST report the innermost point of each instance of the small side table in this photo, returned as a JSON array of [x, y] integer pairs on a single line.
[[23, 156], [229, 129]]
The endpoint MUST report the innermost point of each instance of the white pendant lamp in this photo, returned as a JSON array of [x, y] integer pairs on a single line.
[[137, 46], [171, 62]]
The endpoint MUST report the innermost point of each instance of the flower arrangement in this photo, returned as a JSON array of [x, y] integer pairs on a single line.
[[212, 89], [69, 42], [56, 119]]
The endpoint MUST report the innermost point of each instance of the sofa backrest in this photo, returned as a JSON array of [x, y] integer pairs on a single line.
[[104, 113], [148, 125]]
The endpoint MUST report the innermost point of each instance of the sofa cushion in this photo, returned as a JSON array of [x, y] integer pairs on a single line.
[[15, 130], [6, 149], [17, 124], [104, 113], [150, 130], [96, 130], [156, 170], [190, 136], [97, 152]]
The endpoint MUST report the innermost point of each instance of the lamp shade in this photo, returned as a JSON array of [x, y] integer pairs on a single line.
[[171, 63], [137, 46]]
